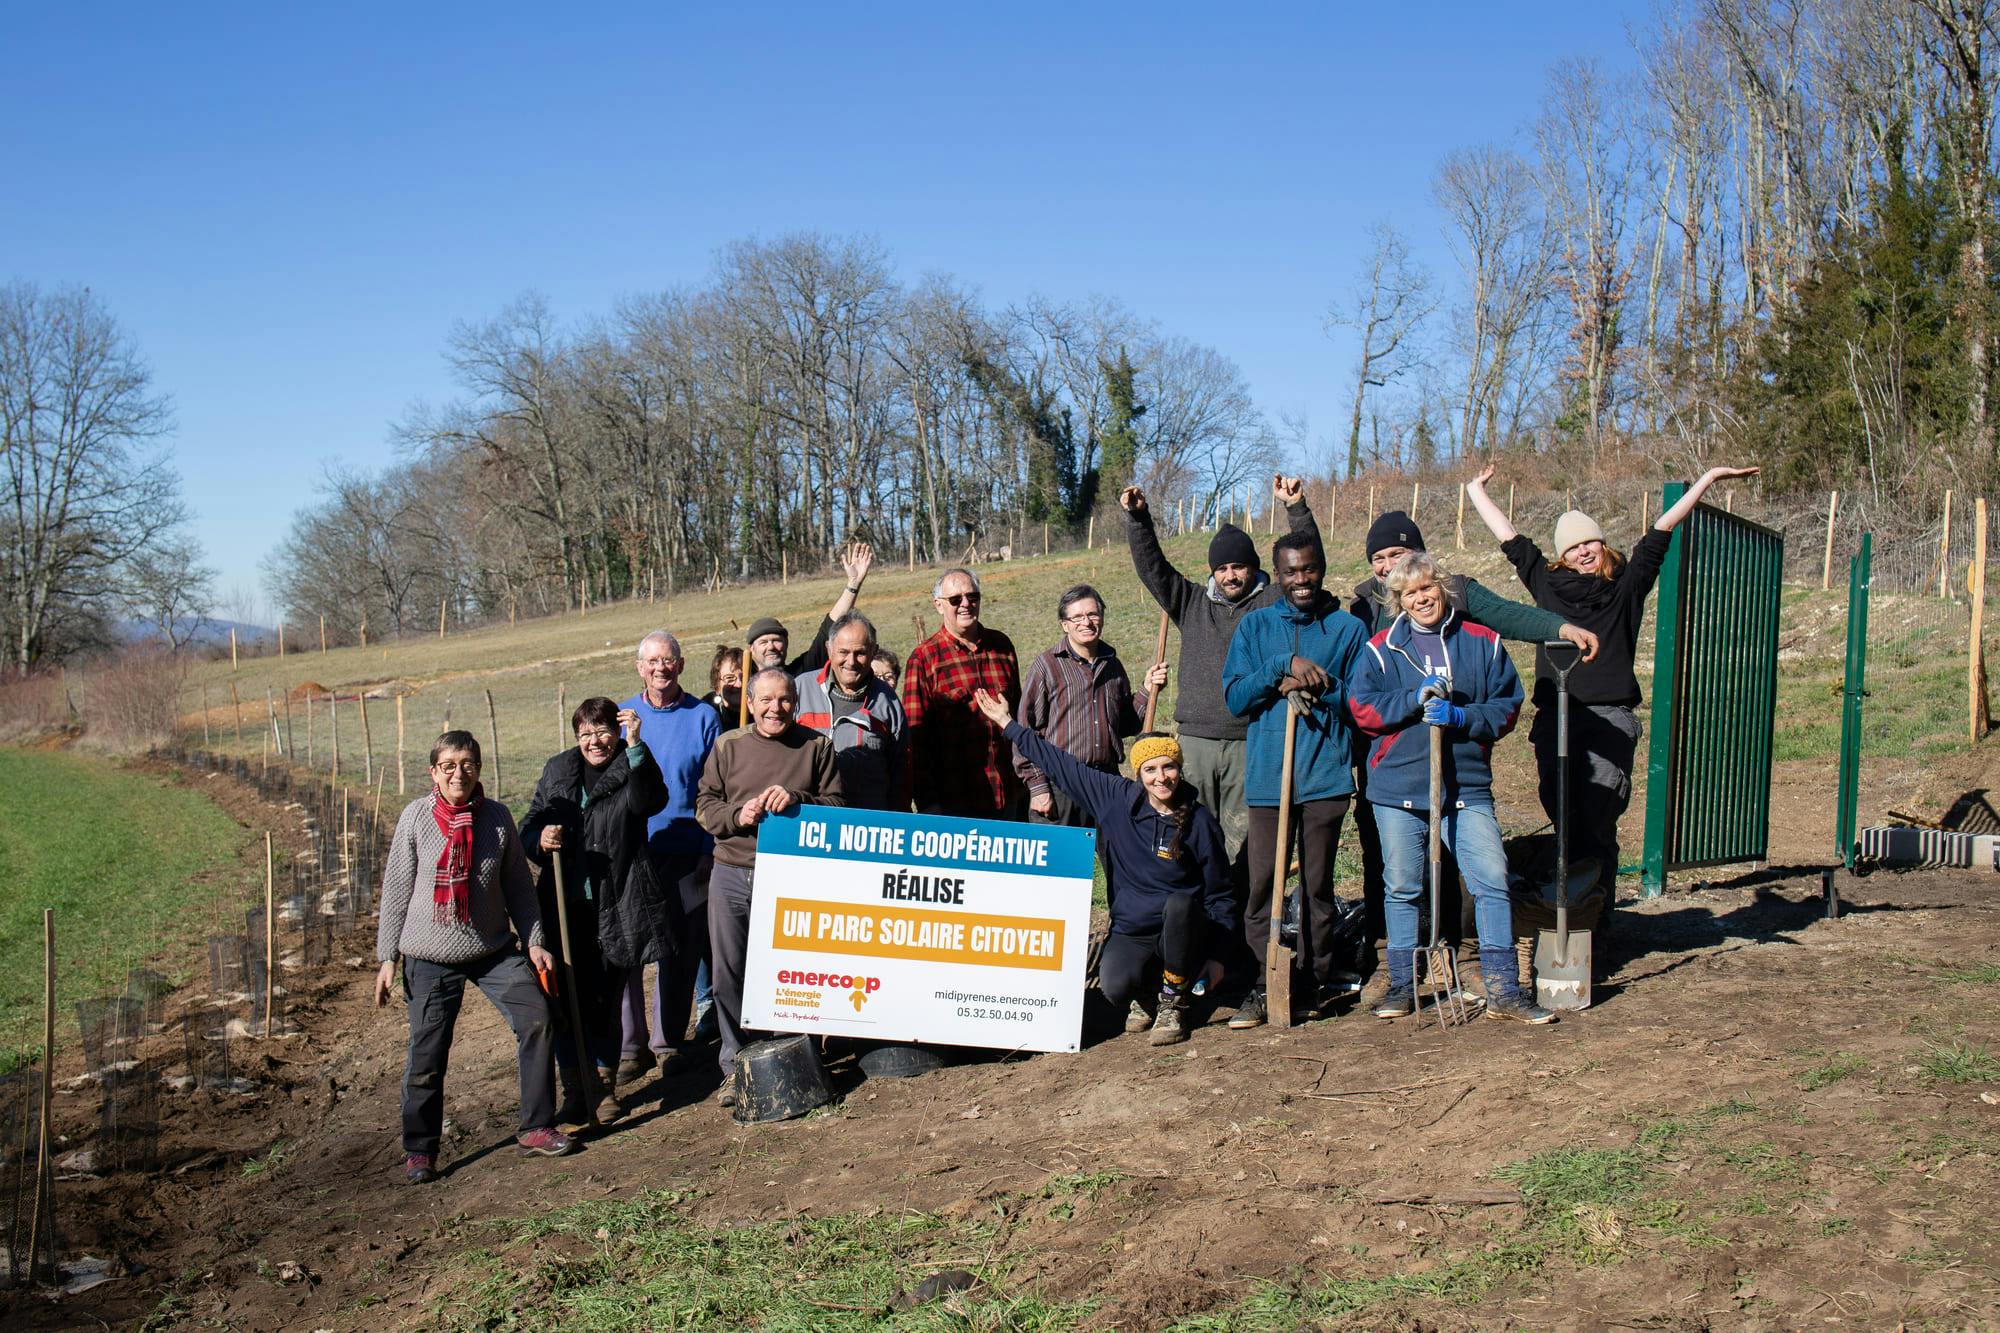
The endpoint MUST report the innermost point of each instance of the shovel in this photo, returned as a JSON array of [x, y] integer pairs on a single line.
[[1562, 956], [1278, 958], [1436, 969], [586, 1064]]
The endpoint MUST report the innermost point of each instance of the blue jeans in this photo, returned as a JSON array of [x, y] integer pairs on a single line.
[[1473, 835]]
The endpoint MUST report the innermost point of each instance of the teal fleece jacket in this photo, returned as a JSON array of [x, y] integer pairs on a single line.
[[1259, 657]]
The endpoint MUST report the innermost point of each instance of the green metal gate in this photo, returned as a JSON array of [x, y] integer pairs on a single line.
[[1854, 689], [1715, 693]]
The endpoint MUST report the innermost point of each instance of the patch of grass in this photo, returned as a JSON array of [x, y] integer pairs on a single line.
[[1835, 1225], [118, 883], [1979, 974], [1763, 1161], [273, 1158], [1576, 1193], [1960, 1063], [1831, 1070], [643, 1264]]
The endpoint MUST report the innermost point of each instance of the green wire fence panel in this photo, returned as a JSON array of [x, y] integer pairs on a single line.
[[1715, 693], [1853, 691]]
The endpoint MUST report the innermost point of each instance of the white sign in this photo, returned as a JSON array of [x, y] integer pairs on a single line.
[[899, 927]]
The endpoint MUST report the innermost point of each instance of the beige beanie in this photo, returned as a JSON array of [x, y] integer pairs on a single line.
[[1574, 527]]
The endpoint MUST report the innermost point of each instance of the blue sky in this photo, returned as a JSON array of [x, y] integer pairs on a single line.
[[287, 211]]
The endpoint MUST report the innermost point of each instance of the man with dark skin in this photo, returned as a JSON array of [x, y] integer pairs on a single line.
[[1295, 656]]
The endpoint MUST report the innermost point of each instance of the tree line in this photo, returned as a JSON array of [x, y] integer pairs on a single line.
[[801, 397], [1768, 237]]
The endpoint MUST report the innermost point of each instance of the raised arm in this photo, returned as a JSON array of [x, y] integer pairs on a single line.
[[856, 560], [1496, 522], [1169, 587], [1291, 492], [1684, 506]]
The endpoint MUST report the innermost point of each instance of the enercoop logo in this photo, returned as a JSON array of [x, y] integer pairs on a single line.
[[859, 988]]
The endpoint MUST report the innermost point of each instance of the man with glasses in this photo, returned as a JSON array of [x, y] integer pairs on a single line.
[[680, 730], [961, 764], [1078, 697]]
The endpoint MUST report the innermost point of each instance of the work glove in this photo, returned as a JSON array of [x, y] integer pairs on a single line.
[[1444, 713], [1435, 686]]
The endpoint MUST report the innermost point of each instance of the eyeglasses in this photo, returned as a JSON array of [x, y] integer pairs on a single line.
[[1087, 618], [659, 661], [597, 736], [962, 598], [457, 766]]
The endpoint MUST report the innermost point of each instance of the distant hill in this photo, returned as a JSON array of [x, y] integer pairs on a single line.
[[209, 633]]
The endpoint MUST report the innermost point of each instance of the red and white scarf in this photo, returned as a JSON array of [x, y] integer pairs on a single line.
[[451, 892]]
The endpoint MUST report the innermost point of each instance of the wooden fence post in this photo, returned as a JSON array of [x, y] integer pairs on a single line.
[[367, 743], [270, 933], [281, 640], [1944, 547], [562, 716], [1976, 655], [333, 742], [309, 729], [44, 1176], [441, 618], [1090, 535], [1416, 494], [236, 707], [1461, 520], [1371, 507], [232, 647], [205, 741], [271, 711], [402, 783], [1510, 504], [322, 636], [1826, 566], [493, 725]]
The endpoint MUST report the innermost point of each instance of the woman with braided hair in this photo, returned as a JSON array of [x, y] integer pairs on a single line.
[[1166, 873]]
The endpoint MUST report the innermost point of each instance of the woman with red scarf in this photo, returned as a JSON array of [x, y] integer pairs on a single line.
[[457, 905]]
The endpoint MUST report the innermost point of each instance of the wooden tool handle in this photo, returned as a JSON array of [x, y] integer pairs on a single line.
[[1159, 656]]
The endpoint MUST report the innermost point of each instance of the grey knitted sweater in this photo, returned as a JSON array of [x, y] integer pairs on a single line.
[[503, 890]]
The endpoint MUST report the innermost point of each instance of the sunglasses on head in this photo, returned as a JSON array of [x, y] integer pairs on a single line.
[[962, 598]]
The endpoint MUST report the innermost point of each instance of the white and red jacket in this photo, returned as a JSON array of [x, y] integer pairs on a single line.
[[868, 743]]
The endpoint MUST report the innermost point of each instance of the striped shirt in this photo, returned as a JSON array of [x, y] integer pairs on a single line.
[[960, 764], [1085, 706], [503, 890]]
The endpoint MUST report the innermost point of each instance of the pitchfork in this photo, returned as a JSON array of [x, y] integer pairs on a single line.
[[1436, 970]]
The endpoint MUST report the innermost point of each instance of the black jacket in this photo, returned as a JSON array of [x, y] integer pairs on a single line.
[[626, 917]]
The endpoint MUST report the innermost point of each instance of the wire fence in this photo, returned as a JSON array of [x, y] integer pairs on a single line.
[[183, 1028]]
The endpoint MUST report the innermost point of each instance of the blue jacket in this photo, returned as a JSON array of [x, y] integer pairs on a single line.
[[1131, 836], [1259, 657], [1383, 697]]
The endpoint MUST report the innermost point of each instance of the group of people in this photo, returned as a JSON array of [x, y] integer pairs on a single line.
[[647, 828]]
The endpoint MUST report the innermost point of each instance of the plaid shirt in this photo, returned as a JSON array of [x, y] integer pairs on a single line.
[[1083, 706], [959, 762]]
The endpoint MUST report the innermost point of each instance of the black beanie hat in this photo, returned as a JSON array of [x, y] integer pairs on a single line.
[[767, 625], [1394, 528], [1232, 546]]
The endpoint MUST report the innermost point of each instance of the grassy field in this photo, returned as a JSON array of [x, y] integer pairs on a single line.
[[117, 855]]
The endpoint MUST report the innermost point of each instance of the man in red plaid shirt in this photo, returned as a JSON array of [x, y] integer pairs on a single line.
[[960, 764]]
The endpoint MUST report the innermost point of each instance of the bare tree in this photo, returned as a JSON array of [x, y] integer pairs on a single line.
[[1385, 310], [80, 497], [170, 588]]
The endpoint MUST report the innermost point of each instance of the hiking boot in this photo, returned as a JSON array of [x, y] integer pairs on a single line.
[[726, 1094], [1516, 1004], [550, 1142], [571, 1111], [1250, 1013], [1169, 1025], [634, 1067], [1396, 1002], [610, 1110], [1139, 1017], [420, 1168]]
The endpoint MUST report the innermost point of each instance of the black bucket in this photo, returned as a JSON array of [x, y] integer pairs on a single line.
[[779, 1079], [900, 1060]]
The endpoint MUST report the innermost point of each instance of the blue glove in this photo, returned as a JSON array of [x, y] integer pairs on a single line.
[[1434, 686], [1444, 713]]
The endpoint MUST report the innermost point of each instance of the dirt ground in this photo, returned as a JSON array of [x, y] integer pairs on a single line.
[[1786, 1085]]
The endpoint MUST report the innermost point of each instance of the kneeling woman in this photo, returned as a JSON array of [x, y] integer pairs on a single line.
[[1166, 873], [1432, 668], [590, 809]]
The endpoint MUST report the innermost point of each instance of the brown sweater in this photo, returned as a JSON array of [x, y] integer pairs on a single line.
[[744, 763]]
